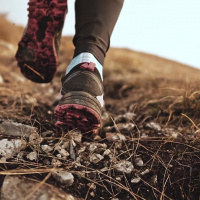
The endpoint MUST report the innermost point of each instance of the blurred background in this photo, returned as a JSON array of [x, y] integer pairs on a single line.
[[170, 29]]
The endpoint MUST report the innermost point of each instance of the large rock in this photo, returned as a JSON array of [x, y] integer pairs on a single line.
[[16, 129], [10, 148], [17, 188]]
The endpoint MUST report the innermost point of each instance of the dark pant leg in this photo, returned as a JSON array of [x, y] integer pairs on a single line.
[[95, 21]]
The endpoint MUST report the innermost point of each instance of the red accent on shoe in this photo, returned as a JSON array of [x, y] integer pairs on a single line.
[[36, 55], [77, 116], [89, 66]]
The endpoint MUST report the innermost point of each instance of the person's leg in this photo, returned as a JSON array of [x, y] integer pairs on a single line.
[[82, 88], [38, 48]]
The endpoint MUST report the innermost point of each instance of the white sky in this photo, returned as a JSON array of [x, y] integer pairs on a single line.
[[168, 28]]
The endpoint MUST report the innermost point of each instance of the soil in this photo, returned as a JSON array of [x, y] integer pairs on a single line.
[[155, 89]]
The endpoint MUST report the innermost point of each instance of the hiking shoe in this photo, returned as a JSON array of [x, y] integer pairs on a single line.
[[38, 48], [81, 99]]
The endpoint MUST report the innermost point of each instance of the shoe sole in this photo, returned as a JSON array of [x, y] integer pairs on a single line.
[[36, 54], [79, 110]]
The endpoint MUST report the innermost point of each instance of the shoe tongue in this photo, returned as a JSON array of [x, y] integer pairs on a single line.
[[90, 66]]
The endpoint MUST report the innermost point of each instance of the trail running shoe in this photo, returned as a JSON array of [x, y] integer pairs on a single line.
[[82, 99], [38, 48]]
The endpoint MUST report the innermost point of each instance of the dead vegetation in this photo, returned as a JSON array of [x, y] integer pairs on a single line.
[[164, 133]]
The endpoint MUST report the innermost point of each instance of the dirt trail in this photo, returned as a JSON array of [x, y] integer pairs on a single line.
[[150, 124]]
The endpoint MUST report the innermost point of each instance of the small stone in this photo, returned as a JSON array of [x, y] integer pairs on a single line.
[[3, 160], [139, 162], [95, 158], [21, 155], [92, 194], [64, 177], [124, 166], [1, 79], [109, 129], [135, 180], [16, 188], [64, 153], [9, 148], [47, 134], [92, 186], [112, 137], [154, 126], [106, 152], [153, 180], [76, 136], [32, 156], [35, 139], [46, 148], [129, 116], [97, 138], [118, 178], [125, 117], [59, 155], [55, 162], [16, 129], [146, 171], [81, 150], [125, 127], [170, 132], [118, 144], [71, 149], [97, 146], [144, 135]]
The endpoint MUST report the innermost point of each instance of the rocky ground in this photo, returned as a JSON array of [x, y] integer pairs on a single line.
[[147, 148]]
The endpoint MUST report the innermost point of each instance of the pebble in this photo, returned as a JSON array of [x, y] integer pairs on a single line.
[[170, 132], [153, 180], [76, 136], [64, 153], [32, 156], [46, 148], [146, 171], [91, 186], [97, 138], [129, 116], [106, 152], [64, 177], [95, 158], [56, 162], [124, 166], [71, 149], [81, 150], [109, 129], [92, 194], [118, 178], [35, 139], [125, 127], [154, 126], [139, 162], [112, 137], [97, 146], [135, 180], [16, 188], [16, 129], [1, 79], [9, 148], [47, 133]]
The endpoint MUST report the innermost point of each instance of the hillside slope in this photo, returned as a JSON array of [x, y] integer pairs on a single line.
[[148, 146]]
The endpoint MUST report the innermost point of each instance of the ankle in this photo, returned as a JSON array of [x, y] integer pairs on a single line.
[[85, 57]]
